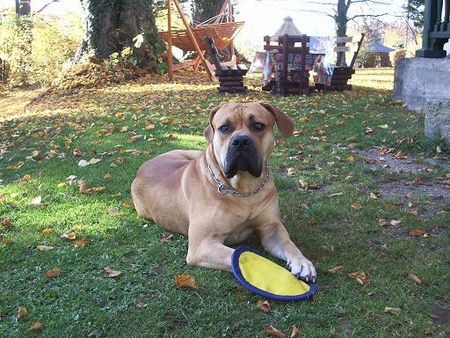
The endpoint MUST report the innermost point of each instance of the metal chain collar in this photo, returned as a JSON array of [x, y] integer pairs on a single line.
[[223, 189]]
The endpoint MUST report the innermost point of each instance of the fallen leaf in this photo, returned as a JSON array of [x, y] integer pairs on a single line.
[[392, 310], [37, 155], [360, 276], [112, 273], [295, 332], [414, 278], [374, 196], [44, 247], [37, 201], [185, 282], [26, 178], [98, 189], [52, 273], [2, 197], [36, 326], [273, 331], [81, 243], [94, 160], [113, 212], [335, 269], [135, 138], [383, 221], [166, 237], [356, 206], [21, 312], [71, 235], [384, 126], [84, 188], [394, 222], [264, 306], [350, 159], [418, 233], [17, 166], [47, 231], [6, 223], [149, 126], [71, 180], [83, 163]]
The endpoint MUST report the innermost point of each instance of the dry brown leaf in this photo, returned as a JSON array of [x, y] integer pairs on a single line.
[[273, 331], [98, 189], [44, 247], [414, 278], [2, 197], [295, 331], [81, 243], [21, 312], [336, 269], [361, 277], [356, 206], [135, 138], [166, 237], [112, 273], [26, 178], [71, 235], [52, 273], [383, 221], [392, 310], [36, 326], [264, 306], [6, 223], [84, 188], [418, 233], [185, 282], [37, 155], [149, 126], [47, 231], [94, 160]]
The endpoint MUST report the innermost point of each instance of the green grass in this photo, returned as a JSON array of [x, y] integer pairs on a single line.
[[143, 301]]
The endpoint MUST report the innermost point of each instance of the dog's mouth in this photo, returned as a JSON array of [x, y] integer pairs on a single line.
[[242, 160]]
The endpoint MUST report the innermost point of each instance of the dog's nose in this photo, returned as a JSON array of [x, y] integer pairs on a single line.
[[241, 141]]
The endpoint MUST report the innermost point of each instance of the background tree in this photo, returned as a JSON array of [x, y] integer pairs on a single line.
[[121, 26], [205, 9], [415, 11], [340, 12]]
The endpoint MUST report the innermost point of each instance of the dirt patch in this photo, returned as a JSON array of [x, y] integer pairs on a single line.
[[390, 160], [437, 197], [441, 315]]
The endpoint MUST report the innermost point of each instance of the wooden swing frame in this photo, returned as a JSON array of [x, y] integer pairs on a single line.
[[168, 36]]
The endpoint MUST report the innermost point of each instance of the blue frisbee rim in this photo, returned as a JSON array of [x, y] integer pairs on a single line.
[[236, 270]]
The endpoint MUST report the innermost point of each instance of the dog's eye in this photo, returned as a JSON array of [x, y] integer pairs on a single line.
[[258, 126], [224, 128]]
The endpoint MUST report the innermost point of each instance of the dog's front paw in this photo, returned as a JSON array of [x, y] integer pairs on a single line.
[[303, 269]]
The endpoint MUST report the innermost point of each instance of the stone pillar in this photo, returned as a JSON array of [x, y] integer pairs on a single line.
[[424, 84]]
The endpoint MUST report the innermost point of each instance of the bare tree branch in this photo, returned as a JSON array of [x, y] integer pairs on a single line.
[[366, 16], [46, 5], [314, 11]]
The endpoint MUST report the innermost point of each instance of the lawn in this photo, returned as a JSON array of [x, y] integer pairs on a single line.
[[341, 207]]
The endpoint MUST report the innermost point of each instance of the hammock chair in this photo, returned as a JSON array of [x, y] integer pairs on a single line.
[[221, 28]]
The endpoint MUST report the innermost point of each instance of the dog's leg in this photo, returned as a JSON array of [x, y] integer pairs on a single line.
[[276, 240], [207, 252]]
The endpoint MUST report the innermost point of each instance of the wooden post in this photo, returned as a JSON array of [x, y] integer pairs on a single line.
[[355, 55], [169, 40], [192, 38]]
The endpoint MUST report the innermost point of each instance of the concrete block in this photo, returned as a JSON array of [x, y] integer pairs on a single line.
[[437, 118], [419, 79]]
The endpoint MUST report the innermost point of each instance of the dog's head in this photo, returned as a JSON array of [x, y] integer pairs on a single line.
[[242, 135]]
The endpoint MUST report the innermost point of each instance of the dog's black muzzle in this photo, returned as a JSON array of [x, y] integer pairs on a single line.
[[242, 155]]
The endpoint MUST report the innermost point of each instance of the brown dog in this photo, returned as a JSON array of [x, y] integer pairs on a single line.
[[222, 195]]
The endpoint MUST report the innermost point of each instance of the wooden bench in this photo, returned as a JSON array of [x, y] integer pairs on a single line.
[[231, 78], [342, 74], [290, 81]]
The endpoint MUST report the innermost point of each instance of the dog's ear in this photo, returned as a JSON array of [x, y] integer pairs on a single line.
[[209, 130], [284, 122]]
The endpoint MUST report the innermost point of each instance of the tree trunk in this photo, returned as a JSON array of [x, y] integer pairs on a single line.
[[341, 29], [203, 10], [112, 26]]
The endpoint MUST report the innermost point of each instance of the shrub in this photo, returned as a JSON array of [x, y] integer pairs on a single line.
[[36, 48]]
